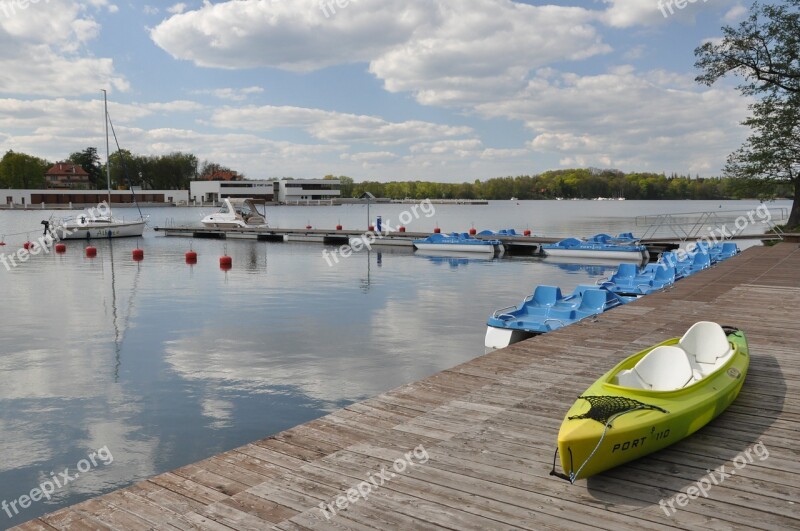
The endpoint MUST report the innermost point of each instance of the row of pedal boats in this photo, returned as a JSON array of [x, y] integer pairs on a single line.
[[548, 309], [623, 247]]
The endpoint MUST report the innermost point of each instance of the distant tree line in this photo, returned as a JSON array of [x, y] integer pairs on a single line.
[[574, 184], [154, 172], [175, 170]]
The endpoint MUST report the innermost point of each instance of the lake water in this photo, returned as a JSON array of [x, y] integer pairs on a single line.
[[161, 364]]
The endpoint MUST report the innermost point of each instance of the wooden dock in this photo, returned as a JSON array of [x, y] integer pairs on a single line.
[[488, 428]]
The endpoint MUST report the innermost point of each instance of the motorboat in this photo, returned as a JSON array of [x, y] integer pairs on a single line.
[[653, 399], [237, 213], [457, 242]]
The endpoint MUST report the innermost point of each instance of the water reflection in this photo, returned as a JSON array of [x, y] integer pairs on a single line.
[[591, 266]]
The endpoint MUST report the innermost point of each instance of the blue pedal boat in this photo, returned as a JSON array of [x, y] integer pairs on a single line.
[[691, 264], [629, 280], [575, 248], [501, 232], [719, 251], [457, 242], [546, 310], [623, 238]]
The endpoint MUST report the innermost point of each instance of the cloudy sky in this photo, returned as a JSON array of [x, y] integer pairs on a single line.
[[446, 90]]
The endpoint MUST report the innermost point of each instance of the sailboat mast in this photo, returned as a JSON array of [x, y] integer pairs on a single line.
[[108, 152]]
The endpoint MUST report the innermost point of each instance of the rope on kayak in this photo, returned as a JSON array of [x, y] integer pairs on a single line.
[[603, 409]]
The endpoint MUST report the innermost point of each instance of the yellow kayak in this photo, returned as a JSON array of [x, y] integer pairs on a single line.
[[653, 399]]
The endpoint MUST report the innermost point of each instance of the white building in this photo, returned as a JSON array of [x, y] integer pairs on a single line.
[[308, 190], [297, 191], [215, 191]]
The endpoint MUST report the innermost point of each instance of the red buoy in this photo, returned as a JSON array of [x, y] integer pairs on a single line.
[[526, 232], [26, 245], [91, 252], [191, 257], [61, 248], [338, 227], [225, 262], [138, 254], [472, 231], [437, 230], [402, 228]]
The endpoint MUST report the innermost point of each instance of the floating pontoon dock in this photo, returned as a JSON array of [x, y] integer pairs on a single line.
[[512, 244]]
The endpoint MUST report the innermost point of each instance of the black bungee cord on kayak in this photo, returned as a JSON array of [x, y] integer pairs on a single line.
[[603, 409]]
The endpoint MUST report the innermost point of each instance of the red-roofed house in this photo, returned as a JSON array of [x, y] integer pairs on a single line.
[[67, 175], [222, 175]]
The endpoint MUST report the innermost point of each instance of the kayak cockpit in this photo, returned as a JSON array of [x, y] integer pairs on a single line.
[[702, 350]]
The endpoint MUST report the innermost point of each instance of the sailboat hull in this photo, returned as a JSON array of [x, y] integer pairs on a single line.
[[115, 229]]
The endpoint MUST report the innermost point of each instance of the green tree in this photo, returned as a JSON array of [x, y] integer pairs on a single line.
[[121, 163], [765, 51], [21, 171], [90, 162], [346, 186], [772, 151]]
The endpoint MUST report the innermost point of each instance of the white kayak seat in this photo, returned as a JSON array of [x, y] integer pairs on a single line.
[[662, 369], [629, 378], [707, 346]]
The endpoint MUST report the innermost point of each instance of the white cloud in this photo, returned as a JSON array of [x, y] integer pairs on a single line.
[[232, 94], [487, 54], [628, 13], [564, 142], [498, 154], [735, 13], [292, 35], [370, 156], [631, 120], [177, 9], [150, 10], [42, 51], [459, 148], [333, 126], [440, 51]]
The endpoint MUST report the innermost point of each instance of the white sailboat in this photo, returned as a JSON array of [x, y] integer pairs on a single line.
[[99, 222]]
